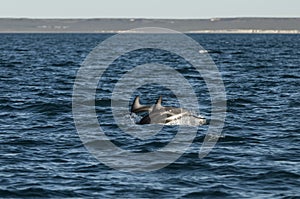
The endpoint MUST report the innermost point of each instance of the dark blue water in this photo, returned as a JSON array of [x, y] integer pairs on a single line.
[[41, 154]]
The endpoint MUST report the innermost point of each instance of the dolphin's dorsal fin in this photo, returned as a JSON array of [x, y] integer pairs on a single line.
[[158, 104], [137, 107], [136, 104]]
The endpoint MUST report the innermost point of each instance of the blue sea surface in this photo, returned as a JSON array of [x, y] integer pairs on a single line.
[[258, 156]]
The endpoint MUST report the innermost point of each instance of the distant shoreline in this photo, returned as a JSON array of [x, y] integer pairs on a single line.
[[190, 32], [115, 25]]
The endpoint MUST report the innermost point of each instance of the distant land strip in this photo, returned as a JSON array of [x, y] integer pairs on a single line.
[[113, 25]]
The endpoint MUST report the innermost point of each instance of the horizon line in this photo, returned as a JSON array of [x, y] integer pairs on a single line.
[[153, 18]]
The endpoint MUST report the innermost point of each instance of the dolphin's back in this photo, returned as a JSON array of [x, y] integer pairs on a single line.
[[158, 114], [137, 107]]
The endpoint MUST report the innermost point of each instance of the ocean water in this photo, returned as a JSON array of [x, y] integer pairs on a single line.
[[42, 155]]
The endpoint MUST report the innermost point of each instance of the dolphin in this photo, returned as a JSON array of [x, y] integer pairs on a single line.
[[158, 114], [137, 107]]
